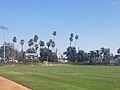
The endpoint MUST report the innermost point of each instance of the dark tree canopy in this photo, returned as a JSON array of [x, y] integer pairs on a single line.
[[31, 42], [71, 54], [14, 39], [54, 33], [35, 38]]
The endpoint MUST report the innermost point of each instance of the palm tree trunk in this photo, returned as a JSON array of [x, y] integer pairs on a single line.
[[75, 42], [21, 47], [13, 54], [70, 43]]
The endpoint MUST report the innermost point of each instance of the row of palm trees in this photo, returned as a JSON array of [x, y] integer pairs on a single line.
[[31, 42], [51, 43], [47, 50], [36, 46]]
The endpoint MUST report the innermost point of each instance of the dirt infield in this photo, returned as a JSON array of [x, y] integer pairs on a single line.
[[6, 84]]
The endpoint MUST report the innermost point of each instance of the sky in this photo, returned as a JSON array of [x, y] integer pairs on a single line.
[[96, 22]]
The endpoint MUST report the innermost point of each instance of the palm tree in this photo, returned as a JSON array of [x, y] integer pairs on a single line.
[[50, 41], [54, 34], [35, 38], [14, 41], [30, 42], [105, 52], [53, 45], [41, 43], [91, 55], [72, 35], [71, 38], [36, 47], [71, 53], [76, 38], [118, 51], [48, 44], [22, 43]]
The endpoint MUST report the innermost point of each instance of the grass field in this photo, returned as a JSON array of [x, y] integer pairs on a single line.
[[64, 77]]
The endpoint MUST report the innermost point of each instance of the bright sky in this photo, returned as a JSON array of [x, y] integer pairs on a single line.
[[96, 22]]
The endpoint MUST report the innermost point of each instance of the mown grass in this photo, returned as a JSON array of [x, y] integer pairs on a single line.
[[64, 77]]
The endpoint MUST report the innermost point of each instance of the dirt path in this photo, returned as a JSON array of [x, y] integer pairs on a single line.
[[6, 84]]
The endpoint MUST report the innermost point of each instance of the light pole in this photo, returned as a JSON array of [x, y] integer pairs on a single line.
[[4, 28]]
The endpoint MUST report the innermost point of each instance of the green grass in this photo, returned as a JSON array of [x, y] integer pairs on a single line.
[[64, 77]]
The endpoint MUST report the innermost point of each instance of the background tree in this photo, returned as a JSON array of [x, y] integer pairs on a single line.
[[118, 51], [31, 49], [36, 47], [76, 38], [71, 38], [82, 56], [97, 54], [8, 50], [49, 43], [30, 42], [54, 34], [21, 56], [91, 56], [105, 52], [54, 57], [35, 38], [14, 41], [22, 43], [41, 43], [45, 54], [71, 54], [53, 45], [72, 35]]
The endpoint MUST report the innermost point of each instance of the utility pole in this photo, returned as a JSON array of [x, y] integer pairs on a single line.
[[4, 28]]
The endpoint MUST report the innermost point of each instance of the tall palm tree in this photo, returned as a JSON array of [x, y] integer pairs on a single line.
[[54, 34], [105, 52], [14, 41], [118, 51], [50, 41], [48, 44], [30, 42], [22, 43], [72, 35], [36, 47], [35, 38], [76, 38], [53, 45], [41, 43], [71, 38]]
